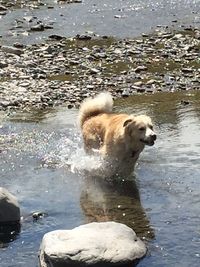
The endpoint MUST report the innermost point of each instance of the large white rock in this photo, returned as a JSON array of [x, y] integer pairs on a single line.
[[9, 207], [94, 244]]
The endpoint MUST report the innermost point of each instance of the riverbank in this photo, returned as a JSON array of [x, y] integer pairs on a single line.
[[63, 71]]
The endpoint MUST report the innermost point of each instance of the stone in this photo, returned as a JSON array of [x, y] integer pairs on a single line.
[[9, 207], [94, 71], [3, 13], [12, 50], [140, 68], [18, 45], [187, 70], [38, 27], [83, 37], [28, 18], [94, 244], [139, 83], [3, 8], [56, 37], [3, 65], [38, 215]]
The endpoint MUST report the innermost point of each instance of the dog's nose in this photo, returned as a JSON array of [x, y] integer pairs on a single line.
[[154, 136]]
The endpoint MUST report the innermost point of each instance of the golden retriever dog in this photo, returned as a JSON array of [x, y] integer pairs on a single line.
[[120, 138]]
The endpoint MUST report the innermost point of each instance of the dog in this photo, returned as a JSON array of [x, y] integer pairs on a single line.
[[119, 138]]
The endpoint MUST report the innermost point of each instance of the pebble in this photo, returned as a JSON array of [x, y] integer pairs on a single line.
[[65, 71]]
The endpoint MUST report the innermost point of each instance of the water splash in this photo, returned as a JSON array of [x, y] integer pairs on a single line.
[[55, 149], [58, 149]]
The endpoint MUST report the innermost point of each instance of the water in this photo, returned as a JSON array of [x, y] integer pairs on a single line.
[[120, 19], [160, 201]]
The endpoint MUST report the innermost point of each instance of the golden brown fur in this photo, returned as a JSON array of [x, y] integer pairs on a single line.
[[120, 138]]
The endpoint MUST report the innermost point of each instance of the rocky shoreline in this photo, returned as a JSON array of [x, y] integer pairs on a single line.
[[64, 71]]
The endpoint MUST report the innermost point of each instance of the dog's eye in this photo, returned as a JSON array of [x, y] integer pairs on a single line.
[[151, 127], [142, 128]]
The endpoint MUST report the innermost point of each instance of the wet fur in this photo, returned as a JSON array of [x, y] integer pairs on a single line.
[[120, 138]]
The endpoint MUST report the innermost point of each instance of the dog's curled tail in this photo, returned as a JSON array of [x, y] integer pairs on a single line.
[[102, 103]]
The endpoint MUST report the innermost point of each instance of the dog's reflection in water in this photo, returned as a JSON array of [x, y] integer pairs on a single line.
[[116, 200]]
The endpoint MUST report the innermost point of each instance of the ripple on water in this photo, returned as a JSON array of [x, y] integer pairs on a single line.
[[161, 203]]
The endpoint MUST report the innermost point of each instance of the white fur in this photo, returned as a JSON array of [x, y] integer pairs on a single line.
[[102, 103]]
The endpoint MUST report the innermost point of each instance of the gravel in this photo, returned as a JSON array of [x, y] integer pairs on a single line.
[[64, 71]]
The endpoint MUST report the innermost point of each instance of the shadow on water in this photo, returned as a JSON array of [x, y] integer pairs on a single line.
[[161, 202]]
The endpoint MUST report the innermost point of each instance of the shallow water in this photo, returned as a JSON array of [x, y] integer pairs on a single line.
[[121, 19], [43, 162]]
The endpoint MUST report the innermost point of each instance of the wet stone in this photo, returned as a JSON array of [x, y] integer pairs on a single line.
[[83, 37], [38, 215], [3, 8], [56, 37], [9, 207], [3, 13], [38, 27]]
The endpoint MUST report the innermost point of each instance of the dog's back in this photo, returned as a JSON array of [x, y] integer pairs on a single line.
[[102, 103]]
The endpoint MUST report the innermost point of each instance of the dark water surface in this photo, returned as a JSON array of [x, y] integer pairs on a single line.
[[41, 154], [123, 18]]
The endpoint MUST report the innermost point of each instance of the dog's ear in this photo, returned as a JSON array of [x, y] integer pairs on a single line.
[[127, 122]]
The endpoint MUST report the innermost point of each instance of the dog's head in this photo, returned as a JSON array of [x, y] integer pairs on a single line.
[[140, 129]]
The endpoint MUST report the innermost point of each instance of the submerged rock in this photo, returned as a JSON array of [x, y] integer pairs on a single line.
[[94, 244], [9, 207]]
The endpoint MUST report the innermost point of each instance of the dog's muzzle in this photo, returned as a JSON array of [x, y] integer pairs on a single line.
[[150, 141]]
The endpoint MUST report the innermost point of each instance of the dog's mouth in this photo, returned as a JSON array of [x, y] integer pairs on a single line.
[[147, 142]]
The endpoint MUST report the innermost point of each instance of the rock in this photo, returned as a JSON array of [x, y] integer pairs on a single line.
[[3, 8], [3, 65], [141, 90], [151, 81], [140, 68], [56, 37], [18, 45], [3, 13], [94, 71], [83, 37], [94, 244], [38, 27], [185, 102], [117, 16], [9, 207], [28, 18], [125, 93], [38, 215], [12, 50], [187, 70], [139, 83]]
